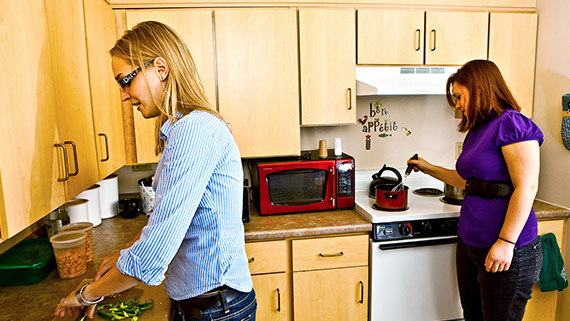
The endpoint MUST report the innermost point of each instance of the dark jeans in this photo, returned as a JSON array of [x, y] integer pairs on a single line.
[[241, 308], [500, 296]]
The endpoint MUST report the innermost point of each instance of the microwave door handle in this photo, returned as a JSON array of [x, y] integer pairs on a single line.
[[333, 196]]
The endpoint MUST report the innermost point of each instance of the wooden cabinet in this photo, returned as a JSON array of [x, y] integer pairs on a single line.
[[330, 278], [512, 46], [398, 37], [327, 64], [543, 305], [268, 266], [195, 28], [258, 77]]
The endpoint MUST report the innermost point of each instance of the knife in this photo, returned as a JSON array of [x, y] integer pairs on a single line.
[[81, 316]]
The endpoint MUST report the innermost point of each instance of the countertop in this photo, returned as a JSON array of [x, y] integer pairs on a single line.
[[36, 302]]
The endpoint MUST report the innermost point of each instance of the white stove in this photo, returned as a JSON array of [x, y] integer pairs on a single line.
[[419, 206]]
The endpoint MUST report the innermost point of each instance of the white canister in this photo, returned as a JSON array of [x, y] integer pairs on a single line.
[[147, 194], [77, 210], [94, 206], [109, 196]]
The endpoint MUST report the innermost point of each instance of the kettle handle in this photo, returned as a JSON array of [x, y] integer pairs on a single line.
[[391, 169]]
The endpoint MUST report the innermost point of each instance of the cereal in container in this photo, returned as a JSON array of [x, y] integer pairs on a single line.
[[69, 250], [86, 227]]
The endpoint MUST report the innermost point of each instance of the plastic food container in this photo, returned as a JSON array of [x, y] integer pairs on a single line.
[[87, 228], [27, 262], [69, 251]]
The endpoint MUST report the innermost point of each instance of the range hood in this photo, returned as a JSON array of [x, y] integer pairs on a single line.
[[385, 81]]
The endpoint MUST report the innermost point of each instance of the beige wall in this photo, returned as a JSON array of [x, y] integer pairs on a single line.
[[552, 81]]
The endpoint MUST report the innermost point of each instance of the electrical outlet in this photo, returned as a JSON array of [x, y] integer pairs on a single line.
[[142, 168], [458, 149]]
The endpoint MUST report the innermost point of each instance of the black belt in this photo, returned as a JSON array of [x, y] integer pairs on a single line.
[[487, 189], [219, 297]]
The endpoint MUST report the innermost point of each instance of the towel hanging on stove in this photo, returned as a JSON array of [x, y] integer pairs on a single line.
[[552, 275]]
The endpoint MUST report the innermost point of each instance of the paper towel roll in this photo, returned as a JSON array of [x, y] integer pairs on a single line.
[[77, 210], [94, 206], [109, 196]]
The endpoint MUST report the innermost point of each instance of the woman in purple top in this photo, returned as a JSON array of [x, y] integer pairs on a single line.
[[498, 251]]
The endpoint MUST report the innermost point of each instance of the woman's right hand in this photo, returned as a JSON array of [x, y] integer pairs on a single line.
[[108, 263], [421, 164]]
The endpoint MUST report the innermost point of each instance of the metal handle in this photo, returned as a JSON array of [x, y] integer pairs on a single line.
[[349, 98], [361, 292], [65, 163], [278, 300], [331, 255], [418, 33], [106, 147], [434, 34], [251, 260], [74, 157]]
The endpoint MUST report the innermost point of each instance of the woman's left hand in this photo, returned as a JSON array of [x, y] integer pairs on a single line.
[[499, 257]]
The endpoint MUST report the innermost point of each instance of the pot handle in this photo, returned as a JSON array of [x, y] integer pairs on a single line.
[[391, 169]]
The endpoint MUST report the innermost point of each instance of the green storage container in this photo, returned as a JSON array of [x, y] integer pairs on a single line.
[[27, 262]]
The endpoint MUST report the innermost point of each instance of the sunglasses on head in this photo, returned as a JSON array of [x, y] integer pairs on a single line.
[[130, 76]]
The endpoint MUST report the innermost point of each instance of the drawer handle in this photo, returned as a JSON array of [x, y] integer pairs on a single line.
[[278, 300], [331, 255], [251, 260], [361, 292]]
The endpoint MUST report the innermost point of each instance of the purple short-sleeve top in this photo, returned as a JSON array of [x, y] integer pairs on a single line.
[[481, 219]]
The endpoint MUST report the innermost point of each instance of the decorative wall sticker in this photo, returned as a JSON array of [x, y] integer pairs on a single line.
[[406, 131], [363, 120], [384, 135], [377, 122], [367, 142]]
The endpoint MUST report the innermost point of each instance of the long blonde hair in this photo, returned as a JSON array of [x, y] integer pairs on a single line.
[[183, 89]]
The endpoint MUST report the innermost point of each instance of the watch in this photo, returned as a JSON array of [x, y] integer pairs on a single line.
[[81, 299]]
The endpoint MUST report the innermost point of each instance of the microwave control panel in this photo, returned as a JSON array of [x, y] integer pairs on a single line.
[[345, 172]]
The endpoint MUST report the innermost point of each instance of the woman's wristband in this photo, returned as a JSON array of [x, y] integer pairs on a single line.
[[500, 238], [81, 299]]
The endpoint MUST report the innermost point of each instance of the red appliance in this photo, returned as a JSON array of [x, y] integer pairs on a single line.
[[306, 183]]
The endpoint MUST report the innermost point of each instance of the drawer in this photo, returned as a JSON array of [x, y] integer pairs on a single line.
[[556, 227], [330, 252], [266, 257]]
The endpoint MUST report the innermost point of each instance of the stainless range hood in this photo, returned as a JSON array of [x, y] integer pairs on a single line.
[[385, 81]]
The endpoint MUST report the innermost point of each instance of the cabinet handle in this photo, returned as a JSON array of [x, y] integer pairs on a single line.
[[418, 33], [349, 99], [74, 157], [65, 163], [361, 292], [251, 260], [433, 37], [278, 300], [106, 146], [331, 255]]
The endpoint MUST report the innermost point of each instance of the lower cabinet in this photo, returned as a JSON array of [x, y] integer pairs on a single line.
[[324, 278]]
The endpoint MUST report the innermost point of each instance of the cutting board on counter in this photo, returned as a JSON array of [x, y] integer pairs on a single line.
[[159, 312]]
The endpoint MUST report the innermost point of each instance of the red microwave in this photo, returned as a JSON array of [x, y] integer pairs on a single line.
[[306, 183]]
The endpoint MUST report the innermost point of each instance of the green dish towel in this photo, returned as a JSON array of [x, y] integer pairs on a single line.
[[552, 275]]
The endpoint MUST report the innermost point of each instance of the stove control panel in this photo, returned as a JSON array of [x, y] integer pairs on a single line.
[[415, 229]]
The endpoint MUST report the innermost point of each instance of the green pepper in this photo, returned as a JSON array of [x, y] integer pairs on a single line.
[[146, 305], [105, 314]]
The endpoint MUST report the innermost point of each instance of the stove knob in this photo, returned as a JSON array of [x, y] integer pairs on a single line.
[[405, 229], [427, 228]]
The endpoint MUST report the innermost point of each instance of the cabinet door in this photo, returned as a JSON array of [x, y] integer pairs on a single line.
[[28, 159], [258, 83], [105, 100], [195, 28], [393, 37], [453, 38], [272, 293], [66, 31], [328, 61], [337, 294], [512, 46]]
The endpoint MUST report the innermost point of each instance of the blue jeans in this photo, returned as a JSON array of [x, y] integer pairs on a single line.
[[500, 296], [241, 308]]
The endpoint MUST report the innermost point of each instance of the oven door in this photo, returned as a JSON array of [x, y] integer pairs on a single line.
[[414, 280]]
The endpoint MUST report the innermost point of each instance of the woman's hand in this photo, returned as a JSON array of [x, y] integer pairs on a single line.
[[108, 263], [68, 305], [499, 257]]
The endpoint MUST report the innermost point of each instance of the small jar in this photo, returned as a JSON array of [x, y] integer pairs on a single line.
[[69, 250], [87, 228]]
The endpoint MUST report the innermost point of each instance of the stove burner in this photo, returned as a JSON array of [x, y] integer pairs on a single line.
[[374, 206], [427, 191], [451, 201]]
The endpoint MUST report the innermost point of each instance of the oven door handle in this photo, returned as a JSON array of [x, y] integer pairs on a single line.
[[419, 243]]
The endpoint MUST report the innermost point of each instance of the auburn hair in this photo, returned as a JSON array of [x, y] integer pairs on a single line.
[[489, 95]]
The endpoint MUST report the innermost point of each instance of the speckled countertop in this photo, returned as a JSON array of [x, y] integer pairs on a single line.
[[36, 302]]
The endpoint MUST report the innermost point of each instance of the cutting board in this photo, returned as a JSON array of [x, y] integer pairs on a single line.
[[159, 312]]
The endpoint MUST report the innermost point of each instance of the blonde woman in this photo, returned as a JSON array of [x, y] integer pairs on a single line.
[[195, 230]]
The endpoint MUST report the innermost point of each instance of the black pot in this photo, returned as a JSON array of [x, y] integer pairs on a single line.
[[377, 179]]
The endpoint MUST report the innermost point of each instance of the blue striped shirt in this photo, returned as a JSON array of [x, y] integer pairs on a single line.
[[195, 229]]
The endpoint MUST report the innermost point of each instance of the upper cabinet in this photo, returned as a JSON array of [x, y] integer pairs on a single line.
[[195, 28], [258, 83], [512, 46], [398, 37], [327, 64]]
